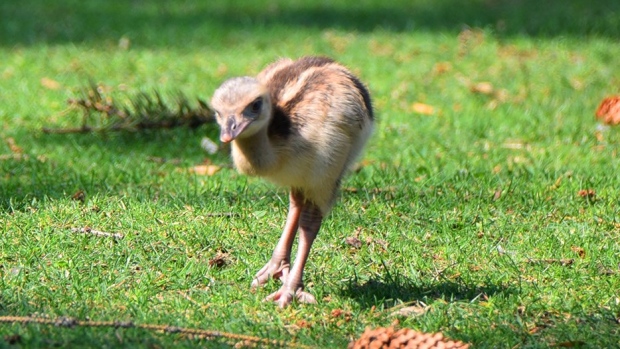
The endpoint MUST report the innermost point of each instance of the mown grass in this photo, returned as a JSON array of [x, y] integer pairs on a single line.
[[457, 210]]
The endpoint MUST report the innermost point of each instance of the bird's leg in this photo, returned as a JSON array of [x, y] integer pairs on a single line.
[[279, 265], [309, 224]]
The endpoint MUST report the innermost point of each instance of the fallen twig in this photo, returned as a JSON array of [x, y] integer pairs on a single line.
[[186, 296], [562, 262], [89, 230], [207, 334]]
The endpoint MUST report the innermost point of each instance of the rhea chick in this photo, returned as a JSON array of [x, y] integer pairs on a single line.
[[298, 124]]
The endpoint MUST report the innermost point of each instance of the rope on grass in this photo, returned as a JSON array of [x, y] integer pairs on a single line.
[[68, 322]]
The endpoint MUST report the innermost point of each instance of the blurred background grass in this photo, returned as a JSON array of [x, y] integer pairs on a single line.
[[486, 134]]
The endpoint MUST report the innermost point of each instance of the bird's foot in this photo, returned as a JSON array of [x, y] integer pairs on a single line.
[[277, 269], [285, 295]]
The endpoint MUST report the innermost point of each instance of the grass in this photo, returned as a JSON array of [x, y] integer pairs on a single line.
[[467, 210]]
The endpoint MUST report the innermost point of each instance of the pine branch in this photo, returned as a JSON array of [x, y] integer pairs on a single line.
[[144, 111]]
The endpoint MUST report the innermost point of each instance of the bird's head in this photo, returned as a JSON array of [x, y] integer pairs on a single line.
[[242, 108]]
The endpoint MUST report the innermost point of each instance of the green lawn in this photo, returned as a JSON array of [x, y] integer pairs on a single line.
[[467, 201]]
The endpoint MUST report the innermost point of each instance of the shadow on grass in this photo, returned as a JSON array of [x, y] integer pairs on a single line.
[[109, 164], [402, 289], [160, 23], [42, 336]]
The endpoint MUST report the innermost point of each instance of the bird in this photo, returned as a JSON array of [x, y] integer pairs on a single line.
[[300, 124]]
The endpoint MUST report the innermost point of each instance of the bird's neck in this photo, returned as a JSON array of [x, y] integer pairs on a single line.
[[254, 155]]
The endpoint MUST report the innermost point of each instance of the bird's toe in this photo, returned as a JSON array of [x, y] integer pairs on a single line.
[[273, 269], [305, 297], [284, 297]]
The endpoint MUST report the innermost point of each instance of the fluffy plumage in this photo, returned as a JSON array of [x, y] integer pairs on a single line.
[[299, 124]]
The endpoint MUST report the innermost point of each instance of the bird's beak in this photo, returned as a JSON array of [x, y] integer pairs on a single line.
[[232, 129]]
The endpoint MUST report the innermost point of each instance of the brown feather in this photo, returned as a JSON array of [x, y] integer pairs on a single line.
[[299, 124], [321, 116]]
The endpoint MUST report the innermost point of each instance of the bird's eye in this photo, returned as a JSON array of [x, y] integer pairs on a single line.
[[256, 106]]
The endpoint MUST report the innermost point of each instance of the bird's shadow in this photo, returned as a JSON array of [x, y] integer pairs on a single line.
[[396, 290]]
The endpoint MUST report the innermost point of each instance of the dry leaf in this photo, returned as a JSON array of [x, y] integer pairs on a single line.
[[303, 324], [609, 110], [497, 195], [422, 108], [15, 149], [557, 183], [353, 241], [587, 193], [579, 250], [534, 329], [600, 137], [336, 313], [79, 195], [501, 95], [381, 243], [412, 311], [442, 67], [485, 88], [219, 261], [50, 84], [475, 268], [469, 38], [205, 170]]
